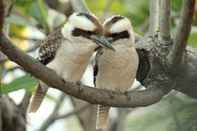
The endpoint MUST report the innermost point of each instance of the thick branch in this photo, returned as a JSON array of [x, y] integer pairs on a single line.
[[92, 95], [154, 16], [164, 20], [183, 31], [1, 16], [12, 117]]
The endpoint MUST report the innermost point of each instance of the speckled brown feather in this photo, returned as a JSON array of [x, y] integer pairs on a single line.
[[49, 47]]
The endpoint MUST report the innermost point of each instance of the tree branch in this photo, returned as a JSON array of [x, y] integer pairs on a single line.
[[79, 6], [92, 95], [164, 21], [25, 101], [183, 31], [1, 16], [106, 8], [51, 119], [75, 111], [62, 7], [54, 115], [12, 117], [154, 16]]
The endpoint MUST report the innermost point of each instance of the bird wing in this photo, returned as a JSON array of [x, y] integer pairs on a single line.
[[102, 111], [49, 47], [143, 67], [47, 53], [95, 64]]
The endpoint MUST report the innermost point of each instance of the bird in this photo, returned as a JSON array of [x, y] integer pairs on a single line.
[[68, 50], [115, 70]]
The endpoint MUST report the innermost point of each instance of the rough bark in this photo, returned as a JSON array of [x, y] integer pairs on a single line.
[[11, 117], [164, 20]]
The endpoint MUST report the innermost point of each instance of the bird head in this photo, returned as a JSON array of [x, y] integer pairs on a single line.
[[85, 28], [118, 29]]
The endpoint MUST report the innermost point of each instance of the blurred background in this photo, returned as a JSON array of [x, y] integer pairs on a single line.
[[29, 21]]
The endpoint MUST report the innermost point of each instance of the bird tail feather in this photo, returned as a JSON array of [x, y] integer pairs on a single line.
[[102, 117], [37, 98]]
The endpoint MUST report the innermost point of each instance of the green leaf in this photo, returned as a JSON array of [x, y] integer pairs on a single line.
[[18, 20], [35, 9], [23, 2], [26, 82], [39, 11]]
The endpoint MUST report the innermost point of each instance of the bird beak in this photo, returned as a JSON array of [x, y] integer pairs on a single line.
[[102, 41]]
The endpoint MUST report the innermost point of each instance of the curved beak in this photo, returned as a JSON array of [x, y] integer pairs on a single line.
[[102, 41]]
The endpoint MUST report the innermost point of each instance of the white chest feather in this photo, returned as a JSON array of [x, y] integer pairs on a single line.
[[71, 60], [117, 70]]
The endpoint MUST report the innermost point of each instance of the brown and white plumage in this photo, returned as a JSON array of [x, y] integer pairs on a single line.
[[116, 70], [68, 50]]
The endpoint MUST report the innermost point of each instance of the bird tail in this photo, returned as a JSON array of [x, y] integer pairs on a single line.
[[37, 98], [102, 117]]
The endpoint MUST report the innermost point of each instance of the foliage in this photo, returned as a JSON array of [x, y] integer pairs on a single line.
[[25, 82]]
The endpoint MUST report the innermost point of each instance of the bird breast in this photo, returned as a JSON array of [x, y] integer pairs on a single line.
[[117, 70], [71, 61]]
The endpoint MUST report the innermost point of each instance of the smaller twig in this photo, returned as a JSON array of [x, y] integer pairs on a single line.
[[79, 6], [25, 101], [9, 10], [76, 111], [164, 21], [61, 7], [154, 16], [183, 31], [50, 119], [54, 115], [107, 8]]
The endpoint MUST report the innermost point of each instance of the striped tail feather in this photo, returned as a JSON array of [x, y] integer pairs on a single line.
[[38, 98], [102, 117]]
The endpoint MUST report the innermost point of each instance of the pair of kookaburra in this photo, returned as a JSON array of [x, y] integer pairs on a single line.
[[69, 49]]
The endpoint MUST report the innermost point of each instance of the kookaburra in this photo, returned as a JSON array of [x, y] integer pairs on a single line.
[[69, 49], [115, 70]]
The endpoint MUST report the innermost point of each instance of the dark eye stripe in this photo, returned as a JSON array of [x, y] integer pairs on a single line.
[[119, 35], [84, 33]]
